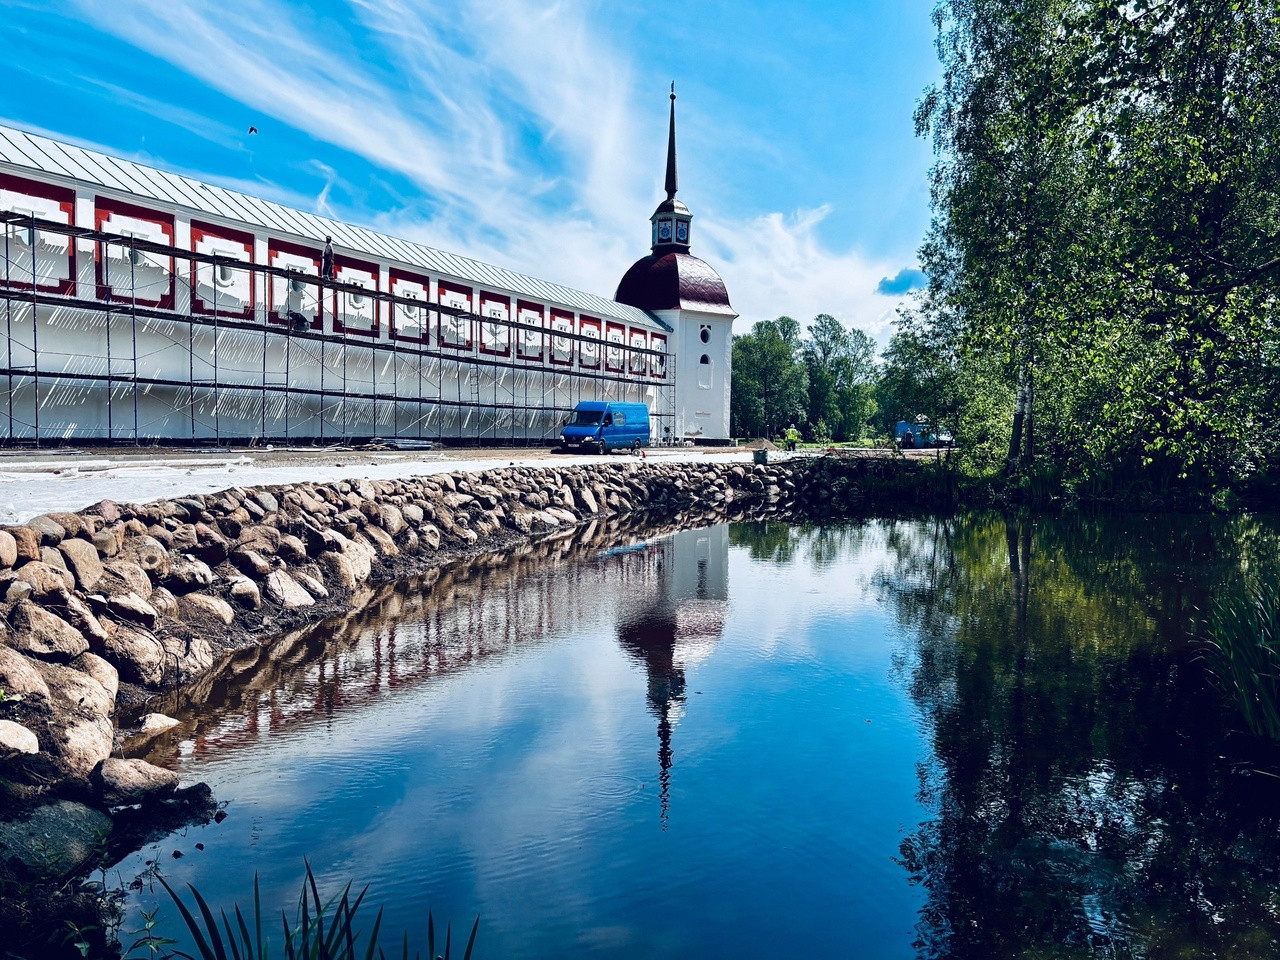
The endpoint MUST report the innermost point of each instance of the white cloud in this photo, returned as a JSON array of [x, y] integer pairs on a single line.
[[445, 92]]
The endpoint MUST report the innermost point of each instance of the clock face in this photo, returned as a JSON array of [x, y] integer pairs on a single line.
[[682, 231], [664, 232]]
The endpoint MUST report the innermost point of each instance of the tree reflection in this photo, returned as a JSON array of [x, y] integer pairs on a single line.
[[1081, 803]]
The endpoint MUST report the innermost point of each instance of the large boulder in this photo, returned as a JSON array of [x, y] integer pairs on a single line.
[[100, 670], [132, 608], [74, 692], [16, 739], [8, 549], [45, 579], [82, 744], [196, 608], [48, 530], [287, 592], [83, 561], [188, 574], [42, 634], [138, 655], [54, 841], [148, 553], [125, 576], [19, 676], [123, 782]]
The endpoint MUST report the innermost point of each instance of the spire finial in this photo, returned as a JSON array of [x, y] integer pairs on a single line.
[[671, 147]]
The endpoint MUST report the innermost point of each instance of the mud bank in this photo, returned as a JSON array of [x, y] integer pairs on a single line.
[[104, 609]]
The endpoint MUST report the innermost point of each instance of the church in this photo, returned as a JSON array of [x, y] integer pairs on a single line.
[[142, 306]]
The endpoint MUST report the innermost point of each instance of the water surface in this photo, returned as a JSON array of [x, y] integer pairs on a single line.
[[962, 738]]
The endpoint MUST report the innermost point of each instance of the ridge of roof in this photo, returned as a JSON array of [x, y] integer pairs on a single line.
[[20, 149]]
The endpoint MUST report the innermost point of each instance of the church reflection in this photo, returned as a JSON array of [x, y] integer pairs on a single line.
[[672, 622]]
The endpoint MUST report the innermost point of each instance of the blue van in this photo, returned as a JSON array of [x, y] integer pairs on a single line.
[[603, 426]]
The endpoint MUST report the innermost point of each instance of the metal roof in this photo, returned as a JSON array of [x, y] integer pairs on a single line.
[[22, 150]]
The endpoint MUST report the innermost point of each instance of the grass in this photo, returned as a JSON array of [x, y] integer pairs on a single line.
[[1244, 654], [322, 930]]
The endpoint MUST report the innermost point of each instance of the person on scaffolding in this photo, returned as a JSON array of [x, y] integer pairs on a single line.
[[326, 259], [792, 437]]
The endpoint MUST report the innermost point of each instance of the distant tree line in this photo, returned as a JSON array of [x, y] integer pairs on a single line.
[[830, 383]]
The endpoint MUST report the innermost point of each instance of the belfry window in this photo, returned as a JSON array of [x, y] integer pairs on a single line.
[[704, 372]]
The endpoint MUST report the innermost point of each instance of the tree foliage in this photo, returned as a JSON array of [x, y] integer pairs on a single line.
[[1106, 241]]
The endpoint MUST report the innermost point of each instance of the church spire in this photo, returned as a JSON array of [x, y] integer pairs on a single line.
[[671, 148], [672, 218]]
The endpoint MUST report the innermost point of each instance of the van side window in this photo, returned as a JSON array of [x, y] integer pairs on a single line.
[[620, 419]]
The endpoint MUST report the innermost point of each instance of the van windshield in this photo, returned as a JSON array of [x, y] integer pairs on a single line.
[[585, 418]]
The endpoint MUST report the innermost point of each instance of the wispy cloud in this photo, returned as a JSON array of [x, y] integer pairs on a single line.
[[515, 117]]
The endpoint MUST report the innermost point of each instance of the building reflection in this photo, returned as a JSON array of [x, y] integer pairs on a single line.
[[674, 623]]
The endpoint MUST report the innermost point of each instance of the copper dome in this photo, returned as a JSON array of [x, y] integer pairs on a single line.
[[674, 281]]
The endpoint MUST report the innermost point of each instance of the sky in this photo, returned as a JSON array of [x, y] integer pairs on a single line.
[[526, 133]]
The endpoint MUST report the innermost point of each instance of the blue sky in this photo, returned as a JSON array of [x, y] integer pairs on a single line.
[[527, 133]]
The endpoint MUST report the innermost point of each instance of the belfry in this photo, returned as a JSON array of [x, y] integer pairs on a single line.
[[686, 294]]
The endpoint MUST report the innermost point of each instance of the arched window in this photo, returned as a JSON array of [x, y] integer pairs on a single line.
[[704, 372]]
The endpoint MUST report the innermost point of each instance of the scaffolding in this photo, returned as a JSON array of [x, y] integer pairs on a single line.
[[159, 352]]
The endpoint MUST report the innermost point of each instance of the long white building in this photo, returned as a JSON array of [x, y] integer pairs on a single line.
[[138, 305]]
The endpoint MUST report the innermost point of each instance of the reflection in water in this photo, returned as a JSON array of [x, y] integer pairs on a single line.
[[973, 737], [1083, 803], [672, 622]]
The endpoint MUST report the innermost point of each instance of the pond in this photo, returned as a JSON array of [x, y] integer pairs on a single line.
[[965, 737]]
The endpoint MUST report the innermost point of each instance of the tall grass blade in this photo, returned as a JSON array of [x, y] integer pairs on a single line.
[[471, 940], [201, 944], [210, 924]]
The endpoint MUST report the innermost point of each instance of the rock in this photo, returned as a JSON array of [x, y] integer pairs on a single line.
[[8, 549], [19, 676], [14, 590], [211, 546], [195, 607], [262, 538], [54, 841], [100, 670], [50, 532], [287, 592], [108, 510], [266, 500], [83, 744], [311, 584], [43, 634], [124, 782], [382, 543], [157, 723], [412, 513], [251, 562], [361, 557], [338, 571], [45, 580], [15, 738], [187, 574], [125, 576], [75, 692], [390, 519], [83, 561], [188, 656], [77, 613], [292, 549], [27, 544], [138, 656], [165, 602], [149, 554], [131, 607], [246, 593], [72, 524]]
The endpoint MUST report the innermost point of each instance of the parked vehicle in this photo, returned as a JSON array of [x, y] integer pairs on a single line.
[[603, 426], [921, 433]]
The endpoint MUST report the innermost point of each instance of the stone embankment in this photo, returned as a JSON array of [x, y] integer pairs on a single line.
[[111, 604]]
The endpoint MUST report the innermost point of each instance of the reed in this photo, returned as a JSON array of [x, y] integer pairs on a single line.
[[1244, 653], [322, 930]]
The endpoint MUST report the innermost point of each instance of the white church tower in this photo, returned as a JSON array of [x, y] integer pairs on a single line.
[[688, 296]]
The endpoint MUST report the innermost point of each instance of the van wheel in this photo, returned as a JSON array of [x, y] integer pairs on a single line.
[[604, 449], [636, 446]]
